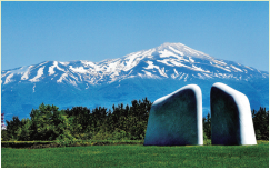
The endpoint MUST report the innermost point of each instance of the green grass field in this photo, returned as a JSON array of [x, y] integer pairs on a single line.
[[138, 157]]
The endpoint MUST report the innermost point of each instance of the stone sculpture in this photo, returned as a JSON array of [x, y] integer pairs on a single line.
[[231, 121], [176, 119]]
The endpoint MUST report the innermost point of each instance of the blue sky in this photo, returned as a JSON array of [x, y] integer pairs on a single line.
[[32, 32]]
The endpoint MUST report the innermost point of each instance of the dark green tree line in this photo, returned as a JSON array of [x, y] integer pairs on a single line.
[[49, 123], [207, 126], [122, 122], [261, 123]]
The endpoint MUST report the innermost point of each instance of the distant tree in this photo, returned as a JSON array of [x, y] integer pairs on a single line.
[[44, 122], [13, 128], [4, 135], [64, 127], [80, 121], [207, 126], [261, 123], [24, 131]]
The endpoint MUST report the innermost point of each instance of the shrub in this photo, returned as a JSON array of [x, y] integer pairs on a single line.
[[4, 135]]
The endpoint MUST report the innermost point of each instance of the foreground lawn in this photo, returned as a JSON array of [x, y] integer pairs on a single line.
[[137, 157]]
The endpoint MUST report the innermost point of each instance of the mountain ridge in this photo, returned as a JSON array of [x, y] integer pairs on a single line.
[[134, 76], [167, 54]]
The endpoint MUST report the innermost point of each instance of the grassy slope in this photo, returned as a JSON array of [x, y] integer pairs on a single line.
[[137, 156]]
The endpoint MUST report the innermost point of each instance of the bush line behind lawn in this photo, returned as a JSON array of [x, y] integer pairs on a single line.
[[81, 143], [77, 143], [48, 123]]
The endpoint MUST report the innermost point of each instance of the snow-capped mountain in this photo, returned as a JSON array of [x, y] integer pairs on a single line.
[[170, 62]]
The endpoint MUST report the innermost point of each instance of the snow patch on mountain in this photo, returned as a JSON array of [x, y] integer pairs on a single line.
[[63, 76], [34, 86], [39, 74], [215, 65], [197, 68], [78, 69], [166, 53], [43, 63], [20, 70], [148, 74], [26, 74], [236, 68], [8, 78], [88, 63], [174, 50], [74, 83], [3, 74], [150, 65], [176, 63], [219, 62], [55, 65], [64, 63], [175, 74], [249, 68]]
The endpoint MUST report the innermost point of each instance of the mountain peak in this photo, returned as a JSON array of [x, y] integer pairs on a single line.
[[182, 49], [167, 44]]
